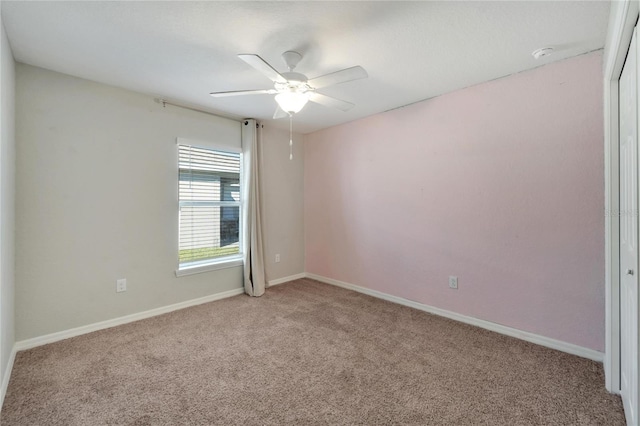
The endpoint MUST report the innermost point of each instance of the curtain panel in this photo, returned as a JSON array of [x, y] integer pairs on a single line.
[[254, 274]]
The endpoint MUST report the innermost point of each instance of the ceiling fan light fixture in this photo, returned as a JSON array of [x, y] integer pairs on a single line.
[[292, 102]]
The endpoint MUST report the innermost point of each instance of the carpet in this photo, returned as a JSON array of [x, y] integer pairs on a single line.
[[305, 353]]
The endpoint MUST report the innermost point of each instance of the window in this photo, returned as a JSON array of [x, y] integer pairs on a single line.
[[209, 199]]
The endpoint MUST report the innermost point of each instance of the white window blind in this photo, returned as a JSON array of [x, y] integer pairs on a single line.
[[209, 198]]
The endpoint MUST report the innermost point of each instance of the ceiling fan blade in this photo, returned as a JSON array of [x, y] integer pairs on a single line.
[[348, 74], [261, 65], [242, 92], [280, 113], [325, 100]]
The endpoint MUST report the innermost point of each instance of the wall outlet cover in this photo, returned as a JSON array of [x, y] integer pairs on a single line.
[[453, 282]]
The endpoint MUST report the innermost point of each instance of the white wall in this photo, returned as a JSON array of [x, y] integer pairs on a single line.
[[7, 197], [283, 202], [97, 201]]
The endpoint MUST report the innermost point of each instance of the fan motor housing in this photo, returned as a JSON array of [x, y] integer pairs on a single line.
[[295, 76], [296, 82]]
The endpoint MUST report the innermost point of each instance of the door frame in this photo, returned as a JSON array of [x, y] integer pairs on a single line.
[[622, 20]]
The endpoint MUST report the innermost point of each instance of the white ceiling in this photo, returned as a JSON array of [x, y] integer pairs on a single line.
[[412, 51]]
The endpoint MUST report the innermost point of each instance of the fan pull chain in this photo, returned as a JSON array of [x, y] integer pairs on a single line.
[[290, 136]]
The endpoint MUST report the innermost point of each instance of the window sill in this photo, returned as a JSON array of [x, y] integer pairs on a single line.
[[214, 266]]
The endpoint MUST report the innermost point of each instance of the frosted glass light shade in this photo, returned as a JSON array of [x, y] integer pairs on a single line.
[[292, 102]]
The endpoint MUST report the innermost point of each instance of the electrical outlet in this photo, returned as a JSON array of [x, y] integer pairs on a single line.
[[278, 258], [121, 285], [453, 282]]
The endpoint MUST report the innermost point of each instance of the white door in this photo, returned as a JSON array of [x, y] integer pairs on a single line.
[[629, 233]]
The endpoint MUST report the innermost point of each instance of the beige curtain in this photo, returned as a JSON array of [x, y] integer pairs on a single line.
[[254, 276]]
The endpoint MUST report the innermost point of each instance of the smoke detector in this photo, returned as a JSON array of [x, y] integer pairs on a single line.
[[542, 52]]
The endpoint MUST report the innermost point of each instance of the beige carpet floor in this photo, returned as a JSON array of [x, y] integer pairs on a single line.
[[305, 353]]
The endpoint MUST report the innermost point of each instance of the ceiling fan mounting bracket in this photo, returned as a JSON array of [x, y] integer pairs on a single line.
[[291, 59]]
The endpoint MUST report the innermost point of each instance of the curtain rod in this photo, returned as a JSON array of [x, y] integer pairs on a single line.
[[165, 102]]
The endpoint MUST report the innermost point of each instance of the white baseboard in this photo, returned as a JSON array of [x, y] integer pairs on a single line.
[[7, 375], [498, 328], [271, 283], [61, 335]]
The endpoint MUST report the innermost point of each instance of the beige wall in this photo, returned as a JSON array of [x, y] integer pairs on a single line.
[[7, 202], [283, 202], [97, 201]]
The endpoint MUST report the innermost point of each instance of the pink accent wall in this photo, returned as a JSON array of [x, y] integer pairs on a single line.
[[500, 184]]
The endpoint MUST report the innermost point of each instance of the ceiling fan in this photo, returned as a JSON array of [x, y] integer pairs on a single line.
[[293, 90]]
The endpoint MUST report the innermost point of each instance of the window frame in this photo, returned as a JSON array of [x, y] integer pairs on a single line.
[[221, 262]]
